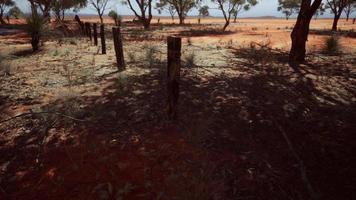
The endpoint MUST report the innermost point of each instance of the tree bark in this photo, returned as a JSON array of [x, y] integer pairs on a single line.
[[181, 19], [173, 75], [2, 21], [226, 25], [300, 31], [335, 22], [35, 40]]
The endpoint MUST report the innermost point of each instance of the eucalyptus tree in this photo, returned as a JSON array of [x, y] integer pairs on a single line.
[[337, 8], [15, 12], [142, 10], [100, 6], [4, 5], [204, 11], [168, 8], [233, 7], [300, 31], [349, 9], [182, 7]]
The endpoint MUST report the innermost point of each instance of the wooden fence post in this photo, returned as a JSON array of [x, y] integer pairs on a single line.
[[173, 75], [102, 36], [89, 31], [95, 34], [86, 28], [118, 48], [81, 24]]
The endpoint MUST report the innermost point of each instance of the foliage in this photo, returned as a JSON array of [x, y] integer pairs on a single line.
[[204, 11], [15, 12], [115, 16], [289, 7]]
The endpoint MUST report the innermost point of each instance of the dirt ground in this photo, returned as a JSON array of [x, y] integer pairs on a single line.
[[249, 126]]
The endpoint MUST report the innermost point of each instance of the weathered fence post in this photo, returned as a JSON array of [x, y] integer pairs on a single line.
[[173, 75], [81, 24], [102, 36], [95, 34], [86, 26], [89, 31], [118, 48]]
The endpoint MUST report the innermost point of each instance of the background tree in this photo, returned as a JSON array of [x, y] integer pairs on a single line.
[[168, 7], [289, 7], [59, 7], [231, 7], [100, 6], [115, 16], [204, 11], [35, 26], [337, 7], [143, 12], [300, 31], [4, 5], [45, 6], [182, 7], [349, 9], [15, 12]]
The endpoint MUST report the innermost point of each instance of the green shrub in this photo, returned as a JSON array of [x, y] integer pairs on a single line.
[[332, 45], [190, 60]]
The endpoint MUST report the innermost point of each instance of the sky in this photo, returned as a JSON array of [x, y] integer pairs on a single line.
[[264, 8]]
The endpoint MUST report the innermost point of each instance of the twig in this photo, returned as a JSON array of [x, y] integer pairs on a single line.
[[302, 167], [38, 113]]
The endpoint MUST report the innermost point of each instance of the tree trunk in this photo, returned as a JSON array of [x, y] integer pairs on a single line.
[[101, 19], [35, 40], [146, 24], [336, 20], [300, 31], [1, 17], [226, 25], [181, 19]]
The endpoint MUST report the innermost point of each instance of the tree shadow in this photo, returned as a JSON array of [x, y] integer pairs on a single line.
[[231, 116]]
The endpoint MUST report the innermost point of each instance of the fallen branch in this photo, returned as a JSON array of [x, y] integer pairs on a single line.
[[39, 113], [301, 165]]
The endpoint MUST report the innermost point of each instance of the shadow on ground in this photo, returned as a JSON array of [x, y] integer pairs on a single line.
[[227, 143]]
